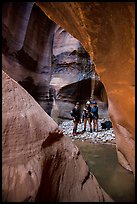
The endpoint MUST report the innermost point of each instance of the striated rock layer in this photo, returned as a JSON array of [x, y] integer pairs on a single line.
[[107, 32], [38, 162], [27, 49], [44, 58]]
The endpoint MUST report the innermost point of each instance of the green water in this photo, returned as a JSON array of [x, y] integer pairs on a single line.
[[113, 178]]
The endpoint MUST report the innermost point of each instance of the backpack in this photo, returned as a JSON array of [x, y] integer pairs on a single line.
[[106, 125]]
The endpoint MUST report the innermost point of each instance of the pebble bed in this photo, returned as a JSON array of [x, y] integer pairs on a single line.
[[102, 136]]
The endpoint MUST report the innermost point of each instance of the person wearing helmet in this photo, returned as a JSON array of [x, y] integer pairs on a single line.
[[75, 113], [95, 116], [86, 116]]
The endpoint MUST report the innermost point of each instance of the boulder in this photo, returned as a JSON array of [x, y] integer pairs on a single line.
[[39, 163]]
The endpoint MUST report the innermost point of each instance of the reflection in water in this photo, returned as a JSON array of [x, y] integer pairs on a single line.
[[113, 178]]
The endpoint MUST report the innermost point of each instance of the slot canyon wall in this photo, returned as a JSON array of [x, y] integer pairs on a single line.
[[72, 76], [27, 49], [107, 32], [46, 60], [37, 159], [32, 57], [37, 146]]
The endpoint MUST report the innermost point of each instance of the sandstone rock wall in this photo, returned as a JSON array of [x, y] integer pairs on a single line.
[[18, 15], [45, 57], [27, 48], [72, 76], [39, 163], [107, 32]]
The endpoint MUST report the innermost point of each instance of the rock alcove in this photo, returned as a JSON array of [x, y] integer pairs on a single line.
[[25, 54]]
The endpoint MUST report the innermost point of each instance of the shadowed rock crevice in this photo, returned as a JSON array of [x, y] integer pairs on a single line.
[[78, 91], [53, 137], [29, 86], [27, 61], [4, 46], [85, 179]]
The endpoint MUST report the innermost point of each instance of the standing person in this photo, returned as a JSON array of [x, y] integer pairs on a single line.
[[92, 100], [95, 116], [75, 113], [87, 116]]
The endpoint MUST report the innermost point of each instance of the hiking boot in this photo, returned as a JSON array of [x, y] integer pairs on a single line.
[[90, 130], [84, 130]]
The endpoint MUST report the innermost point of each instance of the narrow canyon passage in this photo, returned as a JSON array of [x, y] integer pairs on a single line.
[[47, 67], [100, 28]]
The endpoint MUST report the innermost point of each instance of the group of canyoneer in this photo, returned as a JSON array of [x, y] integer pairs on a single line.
[[89, 113]]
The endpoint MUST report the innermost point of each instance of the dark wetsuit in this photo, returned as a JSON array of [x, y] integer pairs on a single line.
[[87, 112], [87, 116], [95, 112], [76, 114]]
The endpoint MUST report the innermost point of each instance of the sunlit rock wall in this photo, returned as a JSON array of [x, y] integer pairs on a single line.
[[107, 32], [71, 63], [39, 163], [72, 76]]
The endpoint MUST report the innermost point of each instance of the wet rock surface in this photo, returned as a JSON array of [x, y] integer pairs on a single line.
[[102, 136]]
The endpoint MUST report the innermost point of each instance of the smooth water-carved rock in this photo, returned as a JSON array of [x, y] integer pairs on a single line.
[[107, 32], [38, 162], [38, 53], [48, 55], [32, 57], [15, 35], [24, 131], [71, 63]]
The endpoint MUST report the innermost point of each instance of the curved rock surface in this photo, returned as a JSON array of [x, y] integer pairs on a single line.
[[107, 32], [27, 48], [71, 63], [38, 162], [45, 59], [15, 35], [72, 75]]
